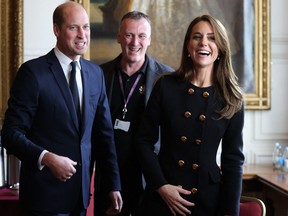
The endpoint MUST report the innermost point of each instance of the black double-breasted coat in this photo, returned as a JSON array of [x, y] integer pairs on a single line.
[[190, 137]]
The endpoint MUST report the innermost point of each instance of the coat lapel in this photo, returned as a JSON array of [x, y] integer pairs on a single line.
[[151, 75], [63, 85], [85, 84]]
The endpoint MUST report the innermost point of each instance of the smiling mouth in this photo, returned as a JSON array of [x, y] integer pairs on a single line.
[[82, 44], [133, 49], [205, 53]]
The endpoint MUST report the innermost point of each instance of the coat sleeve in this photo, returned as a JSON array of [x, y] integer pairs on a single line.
[[22, 107], [232, 160], [146, 138], [103, 144]]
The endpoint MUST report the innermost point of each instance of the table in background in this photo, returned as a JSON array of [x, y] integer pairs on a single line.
[[262, 181]]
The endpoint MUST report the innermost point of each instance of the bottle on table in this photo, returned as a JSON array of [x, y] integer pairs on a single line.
[[277, 157], [285, 158]]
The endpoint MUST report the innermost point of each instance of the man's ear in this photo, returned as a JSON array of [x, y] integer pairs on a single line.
[[56, 30]]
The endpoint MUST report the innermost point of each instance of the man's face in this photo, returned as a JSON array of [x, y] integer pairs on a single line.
[[73, 36], [135, 38]]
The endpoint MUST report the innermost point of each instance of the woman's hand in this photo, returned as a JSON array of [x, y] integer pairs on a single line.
[[171, 195]]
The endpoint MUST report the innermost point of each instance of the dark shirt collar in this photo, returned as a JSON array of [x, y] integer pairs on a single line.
[[141, 70]]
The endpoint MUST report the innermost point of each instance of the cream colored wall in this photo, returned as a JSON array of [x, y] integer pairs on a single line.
[[262, 128], [38, 29]]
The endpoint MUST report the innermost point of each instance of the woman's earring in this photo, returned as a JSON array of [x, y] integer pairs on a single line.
[[189, 55], [218, 58]]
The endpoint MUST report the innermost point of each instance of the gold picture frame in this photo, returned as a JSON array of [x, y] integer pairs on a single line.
[[259, 97], [11, 38]]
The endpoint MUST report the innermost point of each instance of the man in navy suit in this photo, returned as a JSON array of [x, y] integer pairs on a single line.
[[42, 129]]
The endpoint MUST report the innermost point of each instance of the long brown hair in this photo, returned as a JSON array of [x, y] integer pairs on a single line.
[[224, 78]]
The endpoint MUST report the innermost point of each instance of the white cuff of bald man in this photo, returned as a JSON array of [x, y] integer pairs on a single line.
[[40, 166]]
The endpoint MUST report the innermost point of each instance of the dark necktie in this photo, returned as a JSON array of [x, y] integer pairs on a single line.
[[74, 89]]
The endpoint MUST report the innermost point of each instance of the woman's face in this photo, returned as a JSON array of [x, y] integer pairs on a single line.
[[202, 47]]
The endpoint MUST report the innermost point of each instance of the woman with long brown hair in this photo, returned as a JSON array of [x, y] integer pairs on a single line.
[[198, 107]]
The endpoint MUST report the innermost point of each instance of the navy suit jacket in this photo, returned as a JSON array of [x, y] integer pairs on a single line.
[[41, 115]]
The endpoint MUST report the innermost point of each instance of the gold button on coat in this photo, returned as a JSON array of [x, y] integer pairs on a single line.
[[198, 141], [190, 91], [181, 163], [187, 114], [194, 190], [202, 117], [183, 138], [195, 166], [205, 94]]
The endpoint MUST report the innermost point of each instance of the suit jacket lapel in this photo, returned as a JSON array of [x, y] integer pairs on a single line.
[[151, 74], [63, 85], [85, 84]]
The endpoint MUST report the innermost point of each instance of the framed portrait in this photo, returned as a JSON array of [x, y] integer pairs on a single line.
[[11, 39], [247, 23]]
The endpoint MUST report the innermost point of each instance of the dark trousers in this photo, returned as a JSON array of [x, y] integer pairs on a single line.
[[77, 211], [40, 213], [132, 191], [131, 203]]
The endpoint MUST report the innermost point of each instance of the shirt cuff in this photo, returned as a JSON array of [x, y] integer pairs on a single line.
[[40, 166]]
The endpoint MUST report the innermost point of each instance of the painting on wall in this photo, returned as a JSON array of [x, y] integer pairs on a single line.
[[247, 23]]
